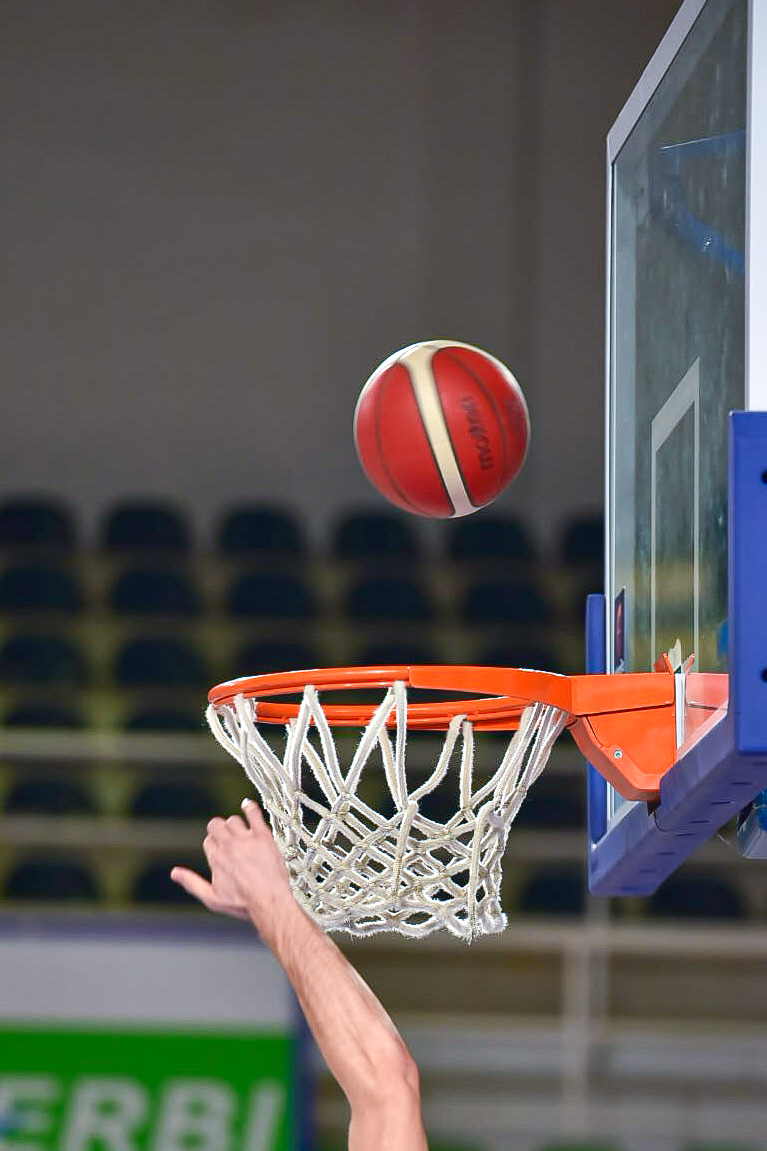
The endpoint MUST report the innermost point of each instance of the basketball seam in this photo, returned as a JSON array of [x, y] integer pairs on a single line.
[[494, 406], [382, 458], [427, 437], [446, 429]]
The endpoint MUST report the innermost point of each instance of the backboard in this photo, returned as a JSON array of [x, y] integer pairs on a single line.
[[684, 486]]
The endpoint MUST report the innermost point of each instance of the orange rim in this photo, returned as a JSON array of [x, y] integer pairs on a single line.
[[624, 724], [496, 696]]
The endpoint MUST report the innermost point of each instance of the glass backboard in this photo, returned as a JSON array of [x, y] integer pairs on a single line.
[[682, 165], [677, 350]]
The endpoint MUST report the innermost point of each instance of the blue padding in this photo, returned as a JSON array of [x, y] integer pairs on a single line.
[[748, 579], [596, 786], [726, 769]]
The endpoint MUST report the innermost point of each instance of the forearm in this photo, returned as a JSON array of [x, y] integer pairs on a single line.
[[361, 1045]]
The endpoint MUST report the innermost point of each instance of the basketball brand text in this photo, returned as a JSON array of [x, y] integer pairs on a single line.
[[478, 433]]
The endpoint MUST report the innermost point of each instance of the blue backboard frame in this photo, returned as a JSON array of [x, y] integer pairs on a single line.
[[633, 851]]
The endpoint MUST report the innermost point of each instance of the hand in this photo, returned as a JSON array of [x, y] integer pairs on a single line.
[[249, 879]]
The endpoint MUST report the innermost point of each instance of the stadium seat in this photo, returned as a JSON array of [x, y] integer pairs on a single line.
[[154, 885], [27, 523], [275, 655], [271, 595], [47, 795], [362, 535], [512, 602], [36, 658], [442, 803], [375, 598], [552, 891], [554, 801], [161, 661], [39, 588], [145, 526], [44, 715], [165, 719], [697, 896], [482, 538], [154, 591], [394, 652], [520, 653], [260, 531], [582, 540], [173, 799], [43, 880]]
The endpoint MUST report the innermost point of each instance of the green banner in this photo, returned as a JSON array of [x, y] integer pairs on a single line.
[[75, 1089]]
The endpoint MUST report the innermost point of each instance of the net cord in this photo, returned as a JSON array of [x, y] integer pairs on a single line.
[[362, 872]]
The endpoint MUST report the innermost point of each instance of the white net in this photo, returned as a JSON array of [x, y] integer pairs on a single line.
[[361, 870]]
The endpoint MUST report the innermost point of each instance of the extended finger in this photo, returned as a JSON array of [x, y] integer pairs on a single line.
[[253, 815], [194, 885]]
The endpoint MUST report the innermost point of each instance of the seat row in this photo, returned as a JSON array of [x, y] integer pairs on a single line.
[[272, 530], [555, 803], [177, 662], [553, 807], [48, 591], [548, 890]]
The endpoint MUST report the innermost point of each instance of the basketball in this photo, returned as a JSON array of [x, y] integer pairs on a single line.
[[441, 428]]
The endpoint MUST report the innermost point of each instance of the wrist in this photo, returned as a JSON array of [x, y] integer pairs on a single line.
[[275, 917]]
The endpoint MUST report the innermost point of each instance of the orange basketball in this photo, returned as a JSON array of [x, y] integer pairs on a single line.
[[441, 428]]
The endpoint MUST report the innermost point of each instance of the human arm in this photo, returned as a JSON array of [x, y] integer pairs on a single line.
[[361, 1045]]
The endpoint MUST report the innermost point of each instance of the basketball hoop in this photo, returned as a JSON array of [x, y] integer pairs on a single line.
[[356, 870]]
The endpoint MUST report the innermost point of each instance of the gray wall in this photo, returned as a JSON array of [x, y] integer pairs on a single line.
[[216, 218]]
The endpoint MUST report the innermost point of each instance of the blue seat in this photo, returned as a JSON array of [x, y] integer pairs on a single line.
[[487, 537], [556, 802], [697, 896], [394, 652], [161, 661], [36, 658], [154, 591], [510, 602], [173, 799], [44, 880], [41, 588], [41, 794], [265, 656], [32, 523], [363, 535], [521, 653], [44, 715], [260, 531], [554, 890], [154, 885], [165, 719], [271, 595], [145, 526], [582, 539], [384, 598]]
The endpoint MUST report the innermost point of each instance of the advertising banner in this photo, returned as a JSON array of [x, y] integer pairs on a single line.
[[113, 1038]]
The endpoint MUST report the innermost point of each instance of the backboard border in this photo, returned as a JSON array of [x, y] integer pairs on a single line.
[[713, 780]]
